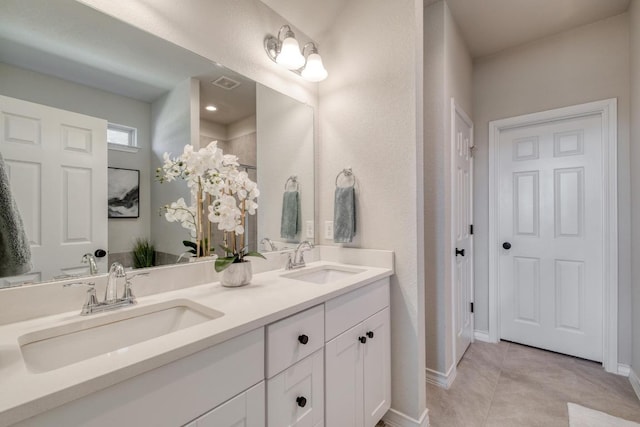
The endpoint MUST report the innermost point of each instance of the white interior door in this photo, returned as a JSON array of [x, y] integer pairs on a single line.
[[57, 163], [462, 198], [551, 225]]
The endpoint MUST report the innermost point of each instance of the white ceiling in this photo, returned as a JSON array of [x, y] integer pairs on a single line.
[[488, 26]]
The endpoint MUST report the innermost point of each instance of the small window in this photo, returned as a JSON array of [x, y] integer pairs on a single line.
[[121, 138]]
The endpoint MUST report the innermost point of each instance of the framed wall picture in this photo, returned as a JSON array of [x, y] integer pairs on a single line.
[[123, 193]]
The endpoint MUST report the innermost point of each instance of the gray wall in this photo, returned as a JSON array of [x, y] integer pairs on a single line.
[[52, 91], [284, 148], [371, 119], [172, 130], [585, 64], [634, 25]]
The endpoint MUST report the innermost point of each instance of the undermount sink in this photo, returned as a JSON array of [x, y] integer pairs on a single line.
[[323, 274], [111, 334]]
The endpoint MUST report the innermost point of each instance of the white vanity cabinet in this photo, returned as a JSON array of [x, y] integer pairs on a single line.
[[357, 361], [328, 365]]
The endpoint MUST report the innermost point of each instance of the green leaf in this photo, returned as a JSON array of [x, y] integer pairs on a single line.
[[222, 263], [226, 249], [256, 254]]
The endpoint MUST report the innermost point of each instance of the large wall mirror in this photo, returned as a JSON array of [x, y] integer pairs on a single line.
[[90, 105]]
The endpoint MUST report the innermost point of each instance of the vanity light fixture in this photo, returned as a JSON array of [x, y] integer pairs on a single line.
[[210, 108], [285, 50], [314, 70]]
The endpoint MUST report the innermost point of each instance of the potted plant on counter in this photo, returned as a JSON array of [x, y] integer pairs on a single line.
[[221, 193]]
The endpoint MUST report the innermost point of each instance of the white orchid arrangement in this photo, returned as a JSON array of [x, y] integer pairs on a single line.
[[220, 191]]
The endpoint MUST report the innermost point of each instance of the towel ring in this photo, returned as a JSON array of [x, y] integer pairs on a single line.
[[294, 180], [348, 173]]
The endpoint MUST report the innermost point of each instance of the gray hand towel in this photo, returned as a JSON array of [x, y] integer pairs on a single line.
[[15, 252], [290, 221], [344, 215]]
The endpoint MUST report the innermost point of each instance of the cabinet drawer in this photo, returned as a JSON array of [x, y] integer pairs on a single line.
[[346, 311], [286, 339], [295, 397]]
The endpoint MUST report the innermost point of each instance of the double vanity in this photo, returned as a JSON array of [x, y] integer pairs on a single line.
[[303, 347]]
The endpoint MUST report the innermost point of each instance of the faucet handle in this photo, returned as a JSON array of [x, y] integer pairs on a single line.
[[91, 301], [289, 264], [127, 294]]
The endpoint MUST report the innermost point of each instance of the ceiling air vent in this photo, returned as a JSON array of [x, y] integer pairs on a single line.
[[226, 83]]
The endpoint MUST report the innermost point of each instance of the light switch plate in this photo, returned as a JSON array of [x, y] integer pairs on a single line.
[[309, 229], [328, 230]]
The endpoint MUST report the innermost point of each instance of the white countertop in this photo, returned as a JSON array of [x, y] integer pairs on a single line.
[[268, 298]]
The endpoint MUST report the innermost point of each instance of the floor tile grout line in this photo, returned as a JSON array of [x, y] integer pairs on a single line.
[[495, 388]]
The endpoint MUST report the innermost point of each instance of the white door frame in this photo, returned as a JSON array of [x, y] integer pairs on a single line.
[[456, 109], [607, 110]]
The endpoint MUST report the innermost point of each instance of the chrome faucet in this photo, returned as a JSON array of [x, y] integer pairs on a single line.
[[91, 260], [115, 272], [92, 305], [296, 259], [268, 244]]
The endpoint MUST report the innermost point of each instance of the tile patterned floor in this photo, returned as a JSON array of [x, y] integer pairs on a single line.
[[510, 385]]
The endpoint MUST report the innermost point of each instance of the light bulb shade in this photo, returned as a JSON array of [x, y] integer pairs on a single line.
[[314, 71], [290, 56]]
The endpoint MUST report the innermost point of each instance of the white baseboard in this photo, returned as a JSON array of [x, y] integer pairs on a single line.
[[623, 369], [395, 418], [481, 336], [635, 382], [441, 380]]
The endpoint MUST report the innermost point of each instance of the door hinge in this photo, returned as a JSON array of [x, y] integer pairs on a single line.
[[470, 228], [471, 306]]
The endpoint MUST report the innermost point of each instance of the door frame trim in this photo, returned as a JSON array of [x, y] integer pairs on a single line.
[[457, 109], [607, 110]]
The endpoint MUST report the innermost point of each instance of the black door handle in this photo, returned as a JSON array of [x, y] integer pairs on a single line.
[[303, 339], [301, 401], [363, 340], [459, 252], [99, 253], [506, 245]]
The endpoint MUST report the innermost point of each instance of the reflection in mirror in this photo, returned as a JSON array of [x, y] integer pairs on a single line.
[[80, 75]]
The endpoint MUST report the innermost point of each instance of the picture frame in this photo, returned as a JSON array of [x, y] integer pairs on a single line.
[[123, 193]]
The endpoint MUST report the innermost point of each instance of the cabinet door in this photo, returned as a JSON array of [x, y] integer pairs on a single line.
[[343, 379], [295, 397], [246, 410], [377, 367]]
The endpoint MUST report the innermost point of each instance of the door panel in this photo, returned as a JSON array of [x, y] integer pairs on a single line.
[[462, 219], [43, 146], [377, 383], [551, 213], [343, 361]]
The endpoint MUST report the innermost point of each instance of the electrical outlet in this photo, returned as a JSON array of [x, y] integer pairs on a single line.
[[328, 230], [309, 229]]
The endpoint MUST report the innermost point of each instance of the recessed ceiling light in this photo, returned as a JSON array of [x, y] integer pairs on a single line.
[[210, 108]]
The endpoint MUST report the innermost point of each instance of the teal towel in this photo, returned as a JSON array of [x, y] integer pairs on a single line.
[[344, 215], [15, 252], [290, 221]]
